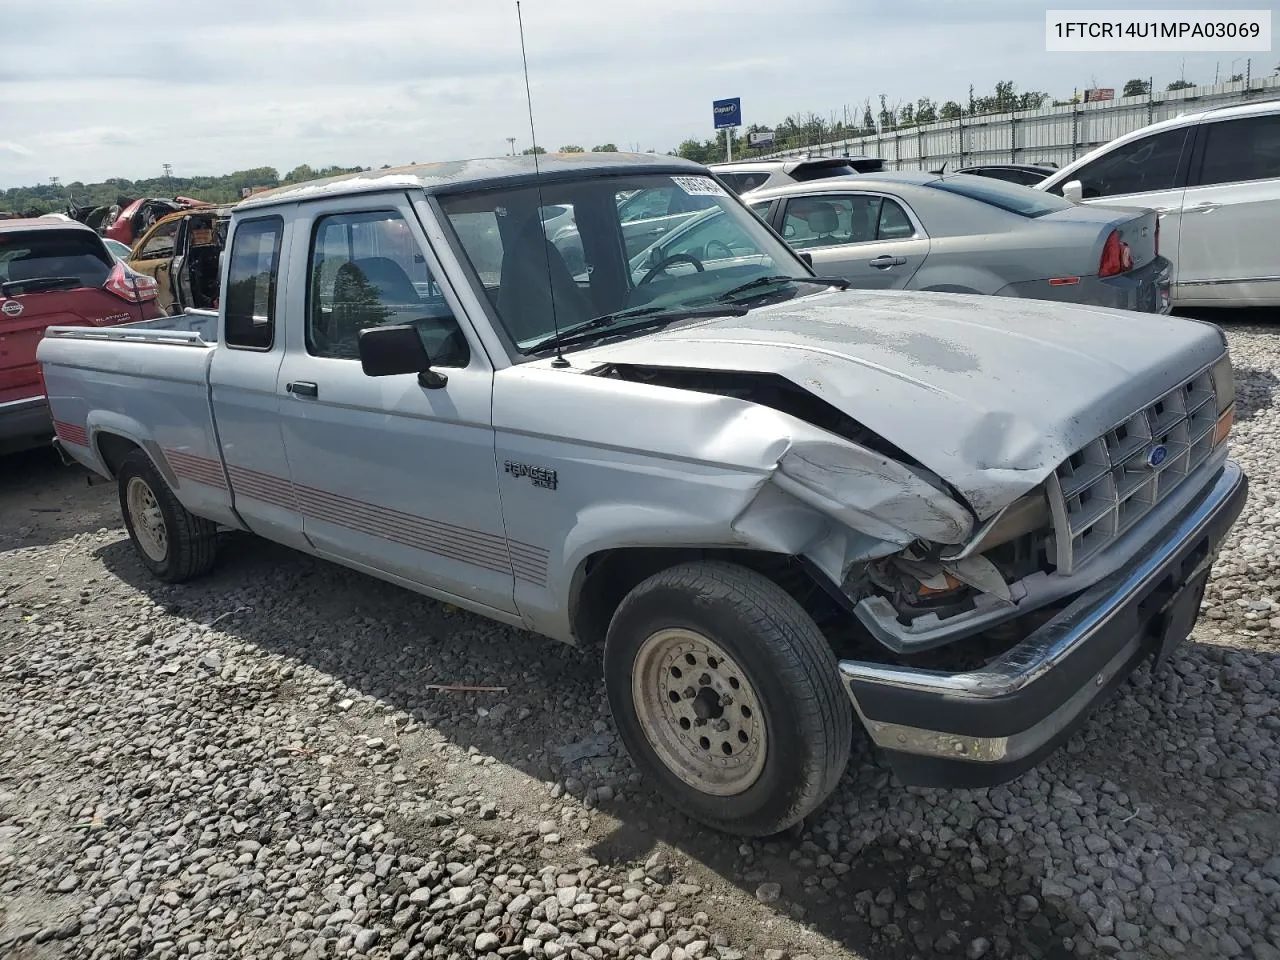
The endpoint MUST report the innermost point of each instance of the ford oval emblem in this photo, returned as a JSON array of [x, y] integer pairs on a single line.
[[1157, 455], [12, 308]]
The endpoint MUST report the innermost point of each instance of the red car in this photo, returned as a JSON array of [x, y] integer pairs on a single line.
[[54, 272]]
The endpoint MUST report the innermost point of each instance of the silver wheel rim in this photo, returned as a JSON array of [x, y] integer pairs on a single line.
[[699, 712], [148, 522]]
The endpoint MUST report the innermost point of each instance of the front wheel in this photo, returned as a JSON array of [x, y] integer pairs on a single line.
[[727, 697], [173, 543]]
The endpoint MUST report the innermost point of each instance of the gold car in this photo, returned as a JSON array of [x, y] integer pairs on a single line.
[[182, 252]]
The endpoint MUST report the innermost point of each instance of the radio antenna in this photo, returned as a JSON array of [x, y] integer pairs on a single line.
[[559, 361]]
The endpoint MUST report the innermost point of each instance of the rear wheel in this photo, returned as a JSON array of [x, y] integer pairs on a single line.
[[173, 543], [728, 697]]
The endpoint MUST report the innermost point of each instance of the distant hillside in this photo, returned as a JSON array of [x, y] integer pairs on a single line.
[[47, 198]]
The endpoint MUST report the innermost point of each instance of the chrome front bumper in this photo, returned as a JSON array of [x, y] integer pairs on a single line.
[[987, 726]]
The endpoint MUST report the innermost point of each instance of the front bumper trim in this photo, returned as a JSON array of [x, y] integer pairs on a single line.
[[1029, 698]]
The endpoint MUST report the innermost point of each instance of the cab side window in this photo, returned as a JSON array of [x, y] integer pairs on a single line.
[[367, 270], [251, 284]]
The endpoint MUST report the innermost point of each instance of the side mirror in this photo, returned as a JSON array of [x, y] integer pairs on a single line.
[[808, 259], [1073, 190], [395, 349]]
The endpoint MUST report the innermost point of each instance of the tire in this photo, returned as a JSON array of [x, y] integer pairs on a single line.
[[780, 742], [174, 544]]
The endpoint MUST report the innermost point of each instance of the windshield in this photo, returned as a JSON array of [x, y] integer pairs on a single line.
[[1012, 197], [604, 245]]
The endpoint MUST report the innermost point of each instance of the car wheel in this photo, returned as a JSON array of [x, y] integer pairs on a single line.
[[727, 697], [171, 542]]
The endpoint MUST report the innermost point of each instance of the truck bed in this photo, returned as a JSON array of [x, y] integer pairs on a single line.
[[142, 383]]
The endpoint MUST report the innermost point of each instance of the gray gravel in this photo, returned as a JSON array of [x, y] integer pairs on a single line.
[[252, 767]]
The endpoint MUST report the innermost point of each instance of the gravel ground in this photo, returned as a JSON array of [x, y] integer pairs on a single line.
[[256, 766]]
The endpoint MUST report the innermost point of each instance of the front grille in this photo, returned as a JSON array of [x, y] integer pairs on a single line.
[[1102, 490]]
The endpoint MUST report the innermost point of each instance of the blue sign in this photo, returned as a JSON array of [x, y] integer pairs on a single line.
[[727, 113]]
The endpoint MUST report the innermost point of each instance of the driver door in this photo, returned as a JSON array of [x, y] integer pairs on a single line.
[[389, 475]]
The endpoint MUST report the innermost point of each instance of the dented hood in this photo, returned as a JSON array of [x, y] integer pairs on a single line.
[[989, 393]]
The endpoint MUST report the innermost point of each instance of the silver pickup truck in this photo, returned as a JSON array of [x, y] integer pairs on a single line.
[[786, 512]]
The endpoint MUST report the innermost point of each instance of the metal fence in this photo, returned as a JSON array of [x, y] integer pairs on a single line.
[[1054, 135]]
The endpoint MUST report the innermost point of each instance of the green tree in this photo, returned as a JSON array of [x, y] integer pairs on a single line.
[[1180, 85], [572, 148], [1136, 88], [534, 149], [926, 110], [951, 111], [605, 148]]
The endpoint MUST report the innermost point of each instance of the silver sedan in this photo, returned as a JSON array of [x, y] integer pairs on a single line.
[[966, 234]]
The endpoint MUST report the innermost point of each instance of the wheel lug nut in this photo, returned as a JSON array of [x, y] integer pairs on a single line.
[[721, 725], [689, 693]]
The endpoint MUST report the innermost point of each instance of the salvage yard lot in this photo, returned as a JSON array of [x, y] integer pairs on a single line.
[[253, 765]]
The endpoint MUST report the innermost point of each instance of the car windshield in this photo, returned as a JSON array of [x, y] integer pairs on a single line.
[[1012, 197], [690, 244]]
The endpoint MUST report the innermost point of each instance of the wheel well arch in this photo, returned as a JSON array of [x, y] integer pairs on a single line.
[[604, 578], [113, 448]]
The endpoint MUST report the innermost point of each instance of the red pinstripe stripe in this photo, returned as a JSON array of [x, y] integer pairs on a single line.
[[473, 547], [197, 468], [70, 432]]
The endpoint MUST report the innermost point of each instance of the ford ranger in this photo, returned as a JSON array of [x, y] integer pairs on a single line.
[[787, 512]]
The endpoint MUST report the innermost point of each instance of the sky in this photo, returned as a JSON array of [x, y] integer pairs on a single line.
[[91, 89]]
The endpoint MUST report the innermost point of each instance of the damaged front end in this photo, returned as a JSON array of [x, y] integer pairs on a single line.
[[912, 560]]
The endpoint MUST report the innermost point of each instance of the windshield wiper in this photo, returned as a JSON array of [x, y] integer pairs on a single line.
[[729, 294], [652, 317], [39, 283]]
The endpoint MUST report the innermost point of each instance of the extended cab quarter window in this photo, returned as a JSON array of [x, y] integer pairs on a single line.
[[251, 283], [1240, 150], [367, 270]]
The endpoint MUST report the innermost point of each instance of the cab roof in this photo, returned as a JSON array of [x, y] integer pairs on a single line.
[[460, 175]]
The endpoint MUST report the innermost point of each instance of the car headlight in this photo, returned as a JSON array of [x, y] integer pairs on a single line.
[[1224, 385]]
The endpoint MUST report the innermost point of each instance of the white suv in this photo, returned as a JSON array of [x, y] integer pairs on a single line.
[[743, 176], [1214, 177]]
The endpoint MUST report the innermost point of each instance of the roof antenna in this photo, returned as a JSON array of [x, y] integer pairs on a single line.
[[559, 361]]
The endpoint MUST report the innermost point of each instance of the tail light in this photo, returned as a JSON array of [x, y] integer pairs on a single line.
[[1116, 256], [130, 285]]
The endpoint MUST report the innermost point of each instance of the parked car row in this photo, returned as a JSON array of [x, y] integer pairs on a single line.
[[1214, 178]]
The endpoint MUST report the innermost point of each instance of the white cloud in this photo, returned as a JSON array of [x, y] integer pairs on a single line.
[[121, 88]]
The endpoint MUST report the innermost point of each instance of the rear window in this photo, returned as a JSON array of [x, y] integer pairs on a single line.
[[48, 254], [1012, 197]]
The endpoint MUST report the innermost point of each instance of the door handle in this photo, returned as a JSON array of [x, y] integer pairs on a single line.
[[303, 388], [884, 263]]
